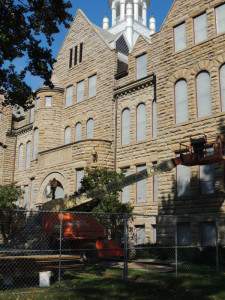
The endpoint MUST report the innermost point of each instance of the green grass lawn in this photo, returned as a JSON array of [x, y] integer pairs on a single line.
[[107, 283]]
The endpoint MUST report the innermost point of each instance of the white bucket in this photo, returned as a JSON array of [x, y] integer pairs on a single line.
[[44, 279]]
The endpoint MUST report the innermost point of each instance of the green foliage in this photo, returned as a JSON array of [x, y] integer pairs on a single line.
[[95, 178], [8, 196], [23, 26]]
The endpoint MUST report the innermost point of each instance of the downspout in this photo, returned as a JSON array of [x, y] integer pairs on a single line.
[[115, 135], [14, 165]]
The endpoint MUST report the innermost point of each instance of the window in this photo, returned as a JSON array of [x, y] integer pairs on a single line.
[[184, 234], [35, 145], [126, 190], [203, 89], [180, 37], [67, 135], [126, 126], [141, 187], [154, 235], [81, 52], [90, 129], [38, 103], [80, 175], [48, 101], [155, 186], [75, 56], [141, 64], [207, 176], [32, 194], [200, 28], [28, 154], [25, 199], [220, 18], [208, 234], [78, 132], [141, 122], [20, 161], [31, 115], [183, 181], [154, 119], [69, 96], [140, 234], [222, 87], [92, 83], [71, 58], [80, 91], [181, 101]]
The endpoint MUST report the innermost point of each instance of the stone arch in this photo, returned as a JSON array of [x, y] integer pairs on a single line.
[[59, 177]]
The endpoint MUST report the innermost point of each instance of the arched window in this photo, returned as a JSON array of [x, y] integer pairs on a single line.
[[28, 153], [141, 122], [35, 145], [181, 101], [126, 126], [90, 129], [78, 132], [67, 135], [222, 87], [20, 161], [154, 119], [203, 90]]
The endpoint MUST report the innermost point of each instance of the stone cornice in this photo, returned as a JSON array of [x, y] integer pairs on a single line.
[[47, 89], [22, 129], [135, 85]]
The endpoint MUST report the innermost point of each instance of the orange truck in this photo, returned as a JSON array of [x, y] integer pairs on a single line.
[[79, 232]]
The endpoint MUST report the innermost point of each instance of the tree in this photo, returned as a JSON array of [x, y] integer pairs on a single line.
[[10, 221], [23, 26]]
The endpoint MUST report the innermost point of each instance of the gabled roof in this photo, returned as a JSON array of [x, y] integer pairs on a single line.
[[109, 37]]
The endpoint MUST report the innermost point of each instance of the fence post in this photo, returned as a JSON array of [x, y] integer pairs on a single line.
[[125, 273], [176, 256], [60, 249], [217, 247]]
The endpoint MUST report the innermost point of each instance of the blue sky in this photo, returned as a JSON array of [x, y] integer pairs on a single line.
[[95, 10]]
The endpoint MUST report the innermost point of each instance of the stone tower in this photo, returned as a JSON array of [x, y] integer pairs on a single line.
[[129, 17]]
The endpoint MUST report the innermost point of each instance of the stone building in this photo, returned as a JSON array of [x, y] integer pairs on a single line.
[[124, 97]]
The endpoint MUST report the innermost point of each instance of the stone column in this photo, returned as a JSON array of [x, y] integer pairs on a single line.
[[129, 26], [136, 10], [144, 13], [122, 9], [113, 13]]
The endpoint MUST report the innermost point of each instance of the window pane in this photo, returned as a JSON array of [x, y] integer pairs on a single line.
[[69, 96], [183, 181], [67, 135], [20, 162], [181, 101], [207, 181], [204, 95], [141, 66], [222, 86], [220, 18], [208, 234], [155, 186], [25, 199], [126, 127], [80, 91], [90, 129], [78, 132], [92, 82], [141, 187], [200, 26], [28, 154], [154, 119], [31, 115], [48, 101], [38, 103], [35, 146], [141, 122], [183, 234], [140, 232], [80, 175], [126, 190], [32, 194], [180, 37]]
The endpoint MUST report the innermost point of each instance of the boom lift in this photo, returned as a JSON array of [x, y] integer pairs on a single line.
[[88, 231]]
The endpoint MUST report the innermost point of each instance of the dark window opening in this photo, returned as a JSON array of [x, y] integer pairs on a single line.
[[71, 58], [81, 52], [75, 56]]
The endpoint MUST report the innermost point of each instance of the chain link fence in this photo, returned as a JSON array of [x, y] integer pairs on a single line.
[[42, 249]]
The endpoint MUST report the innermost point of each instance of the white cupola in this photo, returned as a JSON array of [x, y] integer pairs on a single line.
[[105, 22], [129, 17], [152, 24]]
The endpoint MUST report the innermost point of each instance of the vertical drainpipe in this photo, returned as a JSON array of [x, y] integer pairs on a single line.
[[14, 165], [115, 135]]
